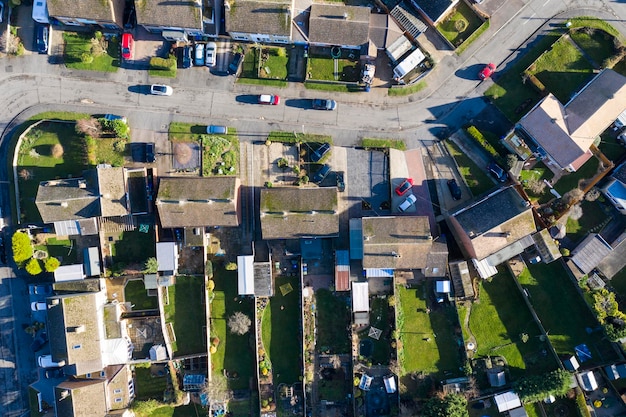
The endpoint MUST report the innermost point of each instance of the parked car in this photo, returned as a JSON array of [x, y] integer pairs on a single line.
[[128, 46], [41, 337], [40, 289], [150, 152], [42, 36], [211, 54], [497, 172], [45, 361], [38, 306], [487, 71], [184, 56], [111, 117], [341, 185], [269, 99], [323, 104], [161, 90], [54, 373], [216, 130], [198, 57], [321, 174], [405, 186], [408, 202], [233, 68], [319, 153], [454, 188]]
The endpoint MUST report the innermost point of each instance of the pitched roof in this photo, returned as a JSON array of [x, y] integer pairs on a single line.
[[80, 398], [338, 24], [591, 251], [265, 17], [112, 187], [291, 213], [396, 242], [195, 201], [615, 261], [68, 199], [184, 14], [434, 9], [110, 10], [74, 331], [567, 131], [492, 223], [619, 173]]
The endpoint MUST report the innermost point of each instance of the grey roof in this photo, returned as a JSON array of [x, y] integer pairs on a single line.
[[184, 14], [434, 9], [265, 17], [437, 261], [547, 247], [263, 279], [408, 20], [336, 24], [195, 201], [85, 398], [98, 10], [117, 387], [68, 199], [591, 251], [112, 187], [291, 213], [396, 242], [74, 333], [615, 260], [619, 173]]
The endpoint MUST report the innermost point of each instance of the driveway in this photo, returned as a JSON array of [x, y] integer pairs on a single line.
[[369, 182]]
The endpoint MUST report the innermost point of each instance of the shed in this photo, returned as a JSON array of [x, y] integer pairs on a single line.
[[616, 371], [91, 260], [245, 275], [507, 401], [167, 257], [69, 273], [571, 364], [194, 382], [518, 412], [587, 381], [442, 287], [342, 270], [360, 297], [408, 64], [390, 384], [398, 48], [497, 378], [158, 353], [365, 383]]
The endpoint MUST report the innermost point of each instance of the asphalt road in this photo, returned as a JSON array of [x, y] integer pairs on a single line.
[[30, 85]]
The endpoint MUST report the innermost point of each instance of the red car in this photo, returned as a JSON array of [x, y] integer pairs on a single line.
[[405, 186], [127, 46], [487, 71], [269, 99]]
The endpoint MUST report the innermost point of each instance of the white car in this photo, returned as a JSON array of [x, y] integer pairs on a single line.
[[161, 90], [38, 306], [45, 361], [211, 54], [408, 202]]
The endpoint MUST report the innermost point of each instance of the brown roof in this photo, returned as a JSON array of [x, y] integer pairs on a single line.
[[74, 333], [291, 213], [68, 199], [264, 17], [337, 24], [118, 377], [195, 201], [112, 185], [396, 242], [566, 132], [184, 14], [98, 10], [80, 398]]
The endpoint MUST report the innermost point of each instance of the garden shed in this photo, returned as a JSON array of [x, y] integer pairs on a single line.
[[616, 371], [390, 384], [194, 382], [158, 353], [167, 257], [587, 381], [571, 364], [507, 401], [245, 275], [91, 259], [69, 273], [342, 270], [360, 303]]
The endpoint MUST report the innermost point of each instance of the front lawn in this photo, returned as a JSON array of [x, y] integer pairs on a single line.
[[186, 313], [329, 69], [293, 137], [234, 353], [475, 178], [429, 338], [384, 143], [597, 44], [273, 63], [460, 24], [333, 316], [280, 331], [563, 311], [84, 52], [135, 293]]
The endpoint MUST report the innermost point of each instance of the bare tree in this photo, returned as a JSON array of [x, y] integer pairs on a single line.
[[239, 323], [217, 390], [573, 196], [335, 361], [89, 127], [25, 174]]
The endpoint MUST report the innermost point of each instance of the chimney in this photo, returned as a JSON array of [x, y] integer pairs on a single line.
[[82, 184], [76, 329], [226, 5], [345, 16]]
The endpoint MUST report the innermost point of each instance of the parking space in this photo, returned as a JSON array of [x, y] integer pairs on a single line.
[[368, 179]]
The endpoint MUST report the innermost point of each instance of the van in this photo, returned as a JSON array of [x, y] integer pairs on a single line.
[[408, 202], [45, 361]]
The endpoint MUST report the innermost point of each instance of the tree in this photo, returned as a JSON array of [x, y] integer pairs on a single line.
[[452, 405], [239, 323], [151, 266], [335, 361], [511, 159], [51, 264], [536, 388], [33, 267], [22, 249], [56, 150], [605, 305], [573, 196], [593, 194], [231, 266]]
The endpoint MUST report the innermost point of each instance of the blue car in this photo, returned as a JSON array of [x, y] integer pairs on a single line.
[[321, 174]]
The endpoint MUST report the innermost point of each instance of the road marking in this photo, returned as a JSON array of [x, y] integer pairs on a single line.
[[547, 1], [528, 18]]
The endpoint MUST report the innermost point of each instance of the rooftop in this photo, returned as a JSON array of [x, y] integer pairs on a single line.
[[81, 398], [184, 14], [434, 9], [265, 17], [112, 10], [68, 199], [338, 24], [112, 185]]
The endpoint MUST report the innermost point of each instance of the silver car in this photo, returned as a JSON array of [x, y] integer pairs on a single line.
[[161, 90], [210, 56]]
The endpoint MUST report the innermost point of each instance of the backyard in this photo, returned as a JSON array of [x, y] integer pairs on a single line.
[[594, 215], [135, 293], [333, 316], [460, 24], [185, 312], [475, 178], [91, 52], [133, 247], [149, 386], [328, 69], [382, 320], [280, 334], [62, 249], [563, 312], [234, 355]]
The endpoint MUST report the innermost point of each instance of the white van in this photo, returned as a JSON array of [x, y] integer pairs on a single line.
[[408, 202], [45, 361]]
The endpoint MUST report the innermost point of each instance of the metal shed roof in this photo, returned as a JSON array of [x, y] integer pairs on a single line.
[[360, 297], [245, 275]]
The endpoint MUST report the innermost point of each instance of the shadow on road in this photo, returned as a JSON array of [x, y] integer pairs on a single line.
[[469, 73], [248, 99], [299, 103], [139, 89]]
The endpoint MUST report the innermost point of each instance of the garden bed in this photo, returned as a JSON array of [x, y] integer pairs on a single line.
[[135, 293], [461, 22], [88, 52]]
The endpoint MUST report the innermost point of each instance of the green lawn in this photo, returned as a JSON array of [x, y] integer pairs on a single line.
[[250, 64], [192, 410], [383, 143], [460, 24], [186, 313], [610, 147], [439, 354], [280, 332], [293, 137], [570, 181], [234, 352], [563, 311], [498, 320], [323, 68], [593, 216], [379, 318], [475, 178], [333, 316], [136, 294], [405, 91], [63, 250], [538, 173], [186, 132], [599, 45], [134, 247], [148, 387], [239, 408], [618, 282], [102, 151], [563, 70], [275, 66], [78, 44]]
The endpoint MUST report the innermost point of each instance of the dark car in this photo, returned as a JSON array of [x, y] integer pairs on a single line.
[[319, 153], [321, 174], [41, 337], [454, 188], [184, 56], [54, 373], [150, 152], [323, 104], [341, 185], [233, 68], [43, 32], [40, 289], [497, 172]]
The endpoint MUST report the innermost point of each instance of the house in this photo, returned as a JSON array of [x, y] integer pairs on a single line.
[[615, 189], [96, 14], [259, 21], [197, 202], [493, 229], [339, 25], [564, 134], [293, 213], [175, 20], [68, 199], [411, 24], [113, 194]]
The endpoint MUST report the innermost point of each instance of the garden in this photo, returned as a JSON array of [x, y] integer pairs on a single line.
[[377, 350], [461, 24], [267, 65], [477, 181], [135, 293], [93, 51], [130, 250], [332, 318], [324, 68], [184, 312]]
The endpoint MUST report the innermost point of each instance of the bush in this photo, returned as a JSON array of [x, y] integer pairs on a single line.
[[119, 146], [33, 267], [164, 64], [231, 266], [56, 150], [151, 266], [208, 270], [211, 285], [51, 264], [22, 249], [536, 388], [478, 137], [86, 58]]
